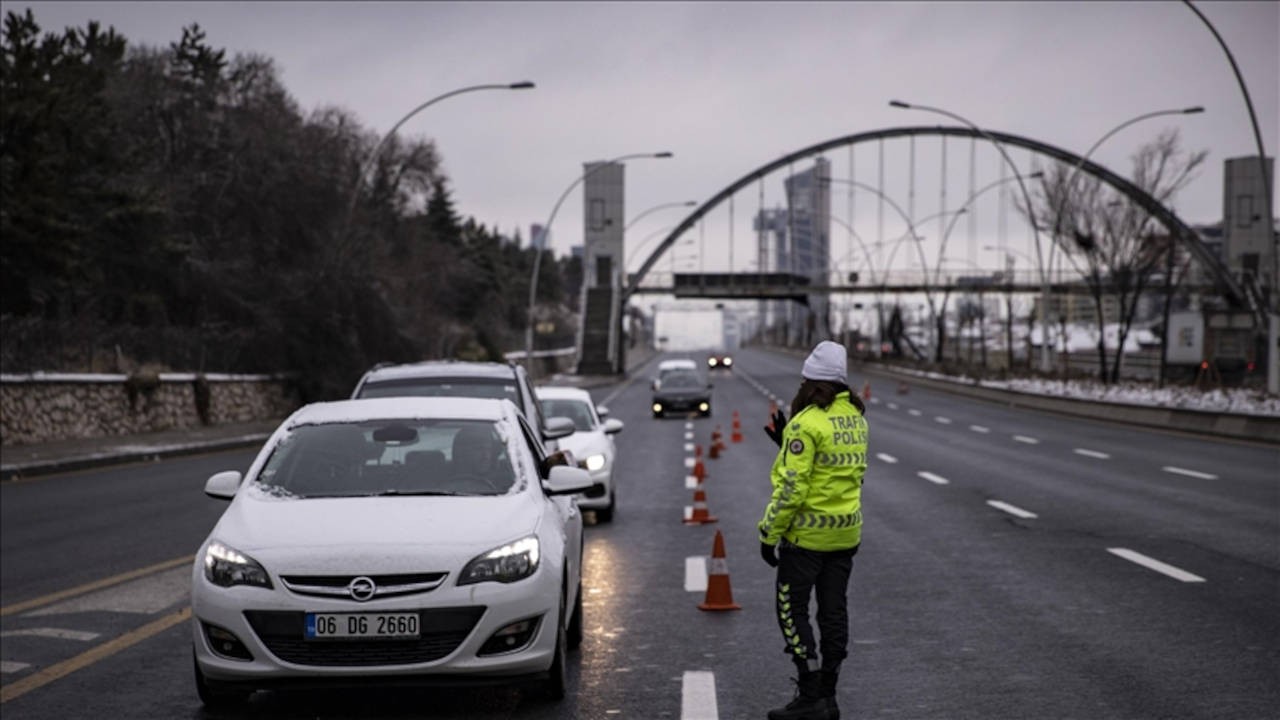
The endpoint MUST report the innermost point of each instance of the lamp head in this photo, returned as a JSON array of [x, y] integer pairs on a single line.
[[1037, 174], [522, 85], [663, 154], [1193, 110], [899, 104]]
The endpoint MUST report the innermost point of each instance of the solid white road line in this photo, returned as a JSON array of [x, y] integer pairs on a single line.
[[935, 479], [914, 412], [9, 666], [698, 696], [1027, 440], [1012, 509], [56, 633], [979, 429], [1188, 473], [1091, 453], [695, 573], [887, 458], [1153, 564], [943, 420]]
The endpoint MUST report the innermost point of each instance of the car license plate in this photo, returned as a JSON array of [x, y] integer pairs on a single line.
[[324, 626]]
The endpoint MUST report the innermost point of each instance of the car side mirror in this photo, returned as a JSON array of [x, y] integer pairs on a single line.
[[557, 427], [565, 480], [223, 485], [602, 411], [612, 425]]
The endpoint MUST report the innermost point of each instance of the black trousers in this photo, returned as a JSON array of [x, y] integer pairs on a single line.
[[804, 573]]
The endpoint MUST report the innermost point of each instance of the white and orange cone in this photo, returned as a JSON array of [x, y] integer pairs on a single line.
[[700, 515], [719, 595]]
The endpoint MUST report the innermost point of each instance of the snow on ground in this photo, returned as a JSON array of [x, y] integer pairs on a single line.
[[1225, 400]]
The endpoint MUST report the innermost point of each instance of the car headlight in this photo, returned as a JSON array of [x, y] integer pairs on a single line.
[[711, 362], [509, 563], [657, 407], [225, 566], [728, 361], [593, 462]]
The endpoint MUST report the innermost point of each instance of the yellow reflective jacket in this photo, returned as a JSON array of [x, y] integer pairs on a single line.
[[817, 479]]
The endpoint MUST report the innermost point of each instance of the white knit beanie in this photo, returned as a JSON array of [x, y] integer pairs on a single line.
[[828, 361]]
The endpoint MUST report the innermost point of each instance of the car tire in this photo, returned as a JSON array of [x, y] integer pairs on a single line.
[[604, 515], [214, 695], [555, 686], [574, 634]]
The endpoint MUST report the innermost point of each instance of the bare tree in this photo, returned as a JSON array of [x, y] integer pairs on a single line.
[[1113, 243]]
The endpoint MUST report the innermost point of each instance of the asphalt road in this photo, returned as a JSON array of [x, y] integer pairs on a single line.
[[1015, 565]]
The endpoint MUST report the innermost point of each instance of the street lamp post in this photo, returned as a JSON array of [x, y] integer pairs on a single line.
[[546, 229], [1045, 358], [377, 150]]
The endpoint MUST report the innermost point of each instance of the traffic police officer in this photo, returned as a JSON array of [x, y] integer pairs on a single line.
[[813, 524]]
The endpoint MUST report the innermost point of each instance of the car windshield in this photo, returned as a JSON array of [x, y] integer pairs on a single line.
[[490, 388], [681, 381], [390, 457], [576, 410]]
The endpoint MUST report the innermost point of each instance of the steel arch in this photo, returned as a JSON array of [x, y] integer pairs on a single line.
[[1227, 285]]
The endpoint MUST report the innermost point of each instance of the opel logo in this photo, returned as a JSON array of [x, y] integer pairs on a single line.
[[362, 588]]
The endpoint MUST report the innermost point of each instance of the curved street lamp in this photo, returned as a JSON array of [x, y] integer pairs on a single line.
[[1045, 357], [377, 150], [546, 230]]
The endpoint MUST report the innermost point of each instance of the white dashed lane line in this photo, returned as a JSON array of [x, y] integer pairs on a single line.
[[1189, 473], [698, 696], [1091, 453], [935, 479], [1025, 439], [695, 573], [690, 462], [11, 666], [943, 420], [913, 412], [1012, 509], [979, 429], [887, 458], [1153, 564], [688, 447], [55, 633], [893, 406]]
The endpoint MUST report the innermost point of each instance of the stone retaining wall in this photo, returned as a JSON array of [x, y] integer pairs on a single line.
[[46, 407]]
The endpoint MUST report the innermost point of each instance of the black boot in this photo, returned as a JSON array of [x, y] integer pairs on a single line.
[[810, 703], [829, 678]]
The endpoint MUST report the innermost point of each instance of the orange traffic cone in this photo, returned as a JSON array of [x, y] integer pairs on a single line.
[[716, 445], [699, 470], [719, 594], [700, 514], [737, 428], [866, 390]]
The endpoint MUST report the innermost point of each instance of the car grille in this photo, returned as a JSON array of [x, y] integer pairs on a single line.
[[386, 585], [443, 630]]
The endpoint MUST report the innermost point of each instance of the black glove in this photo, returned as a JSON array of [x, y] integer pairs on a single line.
[[779, 423], [769, 553]]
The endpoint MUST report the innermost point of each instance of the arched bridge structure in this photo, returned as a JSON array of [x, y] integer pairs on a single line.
[[1225, 284]]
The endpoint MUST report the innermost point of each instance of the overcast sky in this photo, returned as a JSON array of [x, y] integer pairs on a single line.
[[729, 87]]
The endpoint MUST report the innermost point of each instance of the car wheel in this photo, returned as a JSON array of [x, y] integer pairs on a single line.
[[574, 634], [554, 688], [605, 515], [216, 696]]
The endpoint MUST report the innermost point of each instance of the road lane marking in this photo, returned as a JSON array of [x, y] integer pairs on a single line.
[[914, 412], [979, 429], [690, 462], [893, 406], [935, 479], [887, 458], [1027, 440], [1188, 473], [1091, 453], [144, 596], [690, 482], [688, 436], [1153, 564], [95, 585], [56, 633], [688, 447], [695, 573], [688, 426], [10, 666], [698, 696], [1012, 509], [875, 401], [943, 420], [89, 657]]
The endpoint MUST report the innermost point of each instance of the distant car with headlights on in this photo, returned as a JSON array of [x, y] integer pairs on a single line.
[[591, 443], [720, 361], [666, 367], [682, 392], [393, 540]]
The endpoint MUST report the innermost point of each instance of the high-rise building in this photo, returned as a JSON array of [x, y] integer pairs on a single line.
[[536, 239], [809, 227], [1248, 236]]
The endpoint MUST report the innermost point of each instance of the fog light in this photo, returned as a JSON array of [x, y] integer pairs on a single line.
[[225, 643], [510, 638]]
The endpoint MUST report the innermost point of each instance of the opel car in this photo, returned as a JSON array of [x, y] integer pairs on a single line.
[[405, 540], [682, 392]]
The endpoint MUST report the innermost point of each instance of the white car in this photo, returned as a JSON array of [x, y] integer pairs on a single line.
[[591, 443], [409, 540], [666, 367]]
